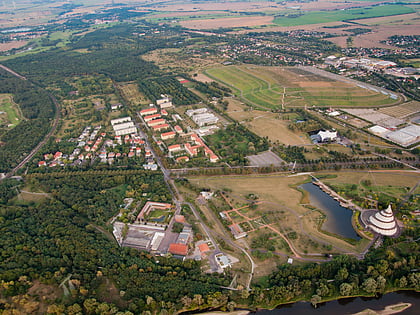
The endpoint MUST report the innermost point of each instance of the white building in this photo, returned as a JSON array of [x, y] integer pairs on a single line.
[[205, 119], [384, 223], [123, 126], [120, 120], [324, 136], [192, 112], [164, 102]]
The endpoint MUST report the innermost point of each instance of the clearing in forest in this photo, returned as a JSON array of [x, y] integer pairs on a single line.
[[10, 114]]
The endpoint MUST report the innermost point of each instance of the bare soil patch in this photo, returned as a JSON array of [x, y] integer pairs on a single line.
[[203, 78], [11, 45], [314, 84], [228, 22]]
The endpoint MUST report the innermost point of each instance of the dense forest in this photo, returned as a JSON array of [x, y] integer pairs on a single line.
[[37, 108], [153, 88], [58, 237]]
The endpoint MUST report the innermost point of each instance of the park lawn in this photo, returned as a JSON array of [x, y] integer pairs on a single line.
[[316, 17], [12, 114]]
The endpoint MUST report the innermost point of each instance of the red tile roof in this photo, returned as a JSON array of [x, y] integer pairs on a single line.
[[203, 248], [178, 249]]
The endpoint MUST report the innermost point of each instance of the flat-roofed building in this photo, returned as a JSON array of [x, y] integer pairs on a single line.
[[120, 120]]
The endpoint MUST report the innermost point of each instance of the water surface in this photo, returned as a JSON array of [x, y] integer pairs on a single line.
[[338, 218]]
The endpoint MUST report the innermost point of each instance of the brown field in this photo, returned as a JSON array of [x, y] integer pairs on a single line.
[[225, 6], [11, 45], [256, 6], [314, 84], [380, 178], [257, 121], [283, 210], [189, 13], [203, 78], [131, 93], [185, 62], [248, 21], [404, 110], [382, 28]]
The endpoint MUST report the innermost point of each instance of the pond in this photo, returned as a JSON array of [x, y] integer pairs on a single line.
[[338, 218]]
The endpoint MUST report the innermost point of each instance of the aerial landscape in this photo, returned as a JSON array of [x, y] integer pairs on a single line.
[[192, 156]]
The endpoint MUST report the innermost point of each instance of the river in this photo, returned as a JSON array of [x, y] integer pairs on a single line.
[[338, 218], [351, 305]]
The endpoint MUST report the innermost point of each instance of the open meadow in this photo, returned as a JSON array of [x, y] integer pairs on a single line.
[[257, 121], [280, 212], [277, 88], [10, 114]]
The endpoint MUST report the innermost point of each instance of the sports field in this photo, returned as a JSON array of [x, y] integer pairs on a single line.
[[284, 87], [10, 114]]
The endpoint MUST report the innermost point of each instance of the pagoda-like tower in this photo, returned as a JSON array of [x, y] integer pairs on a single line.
[[383, 222]]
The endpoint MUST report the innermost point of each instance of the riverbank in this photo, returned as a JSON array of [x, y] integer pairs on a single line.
[[388, 310], [389, 303]]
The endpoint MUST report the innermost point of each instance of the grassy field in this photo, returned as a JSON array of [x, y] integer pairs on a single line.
[[10, 113], [316, 17], [280, 88], [281, 208], [257, 121], [391, 181], [131, 93]]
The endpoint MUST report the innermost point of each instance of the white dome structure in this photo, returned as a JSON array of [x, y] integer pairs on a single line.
[[383, 222]]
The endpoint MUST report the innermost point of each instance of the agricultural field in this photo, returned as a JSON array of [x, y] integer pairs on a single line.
[[277, 88], [10, 114], [227, 21], [401, 111], [317, 17]]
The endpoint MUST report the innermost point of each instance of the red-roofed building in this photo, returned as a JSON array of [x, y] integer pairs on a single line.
[[175, 148], [203, 248], [168, 135], [183, 159], [151, 117], [190, 150], [42, 163], [179, 218], [178, 249], [160, 127], [58, 155], [178, 129], [155, 122], [164, 112], [148, 111]]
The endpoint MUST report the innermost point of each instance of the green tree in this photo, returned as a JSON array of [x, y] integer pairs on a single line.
[[346, 289]]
